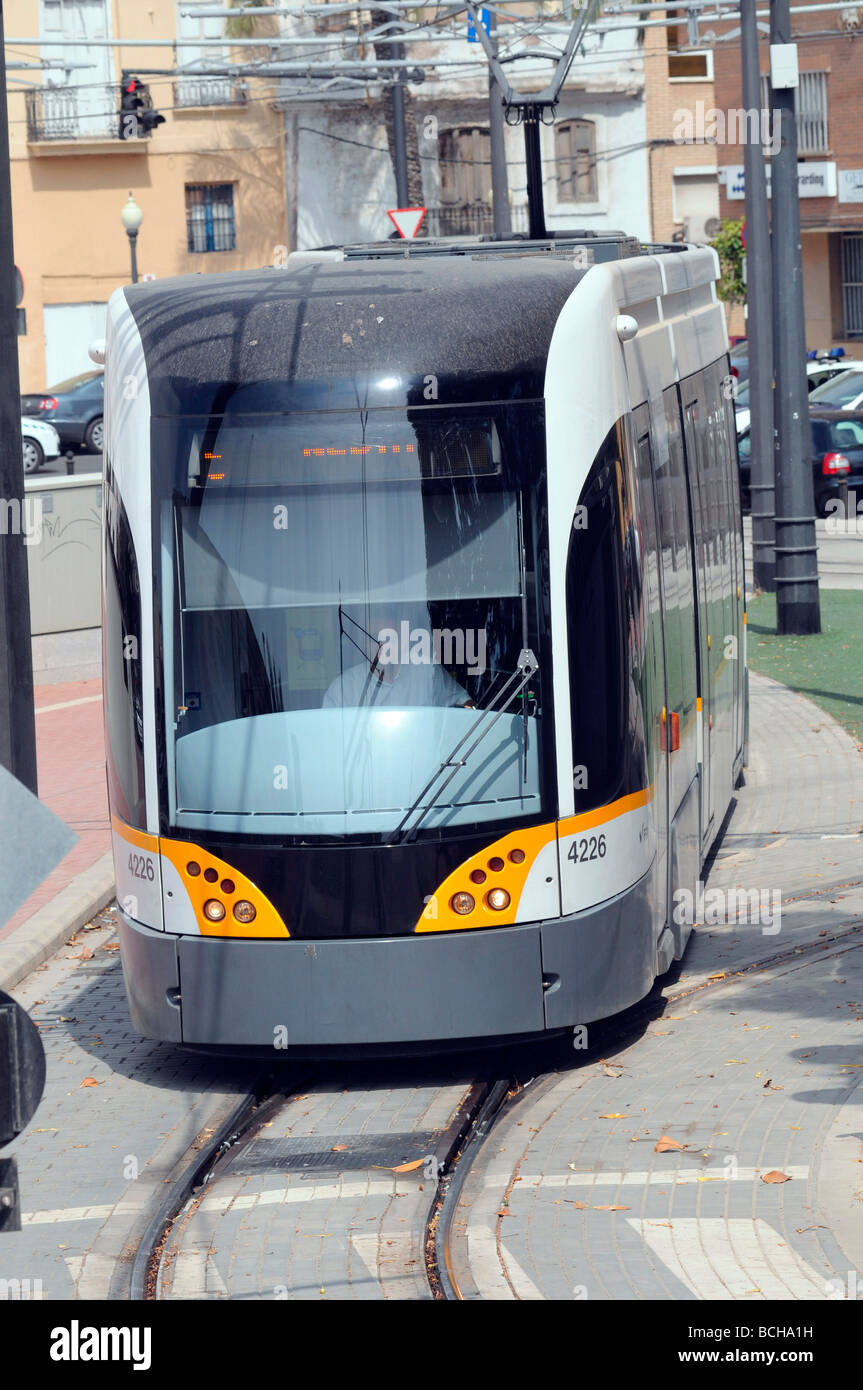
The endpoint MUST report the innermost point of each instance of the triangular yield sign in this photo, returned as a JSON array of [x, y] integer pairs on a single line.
[[407, 220]]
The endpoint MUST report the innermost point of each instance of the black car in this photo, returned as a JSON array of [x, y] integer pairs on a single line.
[[74, 407], [837, 455]]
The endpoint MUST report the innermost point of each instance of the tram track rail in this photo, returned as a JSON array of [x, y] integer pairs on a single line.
[[197, 1170], [484, 1103]]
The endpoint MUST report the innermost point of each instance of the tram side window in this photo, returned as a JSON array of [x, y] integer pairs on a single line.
[[602, 601], [121, 629]]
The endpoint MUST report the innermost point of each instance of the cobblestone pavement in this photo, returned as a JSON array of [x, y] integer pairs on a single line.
[[748, 1058], [117, 1115]]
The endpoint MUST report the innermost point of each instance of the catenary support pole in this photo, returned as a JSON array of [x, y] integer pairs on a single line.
[[499, 183], [797, 602], [759, 318], [400, 142], [17, 722]]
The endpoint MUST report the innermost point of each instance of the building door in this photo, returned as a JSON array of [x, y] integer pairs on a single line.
[[191, 53], [87, 102], [69, 331]]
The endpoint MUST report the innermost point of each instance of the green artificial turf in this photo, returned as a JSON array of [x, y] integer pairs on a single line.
[[828, 668]]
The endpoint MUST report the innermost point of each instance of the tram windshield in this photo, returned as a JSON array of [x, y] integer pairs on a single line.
[[349, 593]]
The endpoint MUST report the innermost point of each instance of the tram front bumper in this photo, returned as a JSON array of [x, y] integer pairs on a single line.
[[213, 991]]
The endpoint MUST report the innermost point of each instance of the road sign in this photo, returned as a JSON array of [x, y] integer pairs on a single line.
[[148, 276], [471, 28], [407, 220]]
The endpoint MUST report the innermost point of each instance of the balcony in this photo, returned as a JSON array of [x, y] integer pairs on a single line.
[[191, 93], [467, 219], [60, 121]]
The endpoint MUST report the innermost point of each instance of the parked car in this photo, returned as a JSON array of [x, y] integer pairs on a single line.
[[41, 442], [75, 408], [818, 371], [844, 392], [837, 456]]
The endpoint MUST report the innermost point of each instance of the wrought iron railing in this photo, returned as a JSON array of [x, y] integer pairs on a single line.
[[469, 219], [210, 91], [57, 113]]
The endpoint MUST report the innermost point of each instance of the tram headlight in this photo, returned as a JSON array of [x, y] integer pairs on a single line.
[[244, 911], [214, 911], [498, 899], [462, 903]]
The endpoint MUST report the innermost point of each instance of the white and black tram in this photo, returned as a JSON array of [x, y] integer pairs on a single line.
[[424, 660]]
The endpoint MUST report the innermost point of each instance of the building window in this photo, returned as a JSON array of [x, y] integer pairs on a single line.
[[810, 108], [210, 217], [464, 155], [575, 156], [690, 65], [852, 284]]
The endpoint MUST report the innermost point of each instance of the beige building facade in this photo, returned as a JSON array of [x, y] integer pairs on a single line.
[[210, 180]]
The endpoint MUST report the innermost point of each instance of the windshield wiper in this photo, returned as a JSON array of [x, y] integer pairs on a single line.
[[527, 666]]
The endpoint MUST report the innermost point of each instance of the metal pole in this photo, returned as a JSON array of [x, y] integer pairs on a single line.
[[533, 160], [400, 144], [17, 721], [499, 182], [759, 320], [133, 237], [797, 603]]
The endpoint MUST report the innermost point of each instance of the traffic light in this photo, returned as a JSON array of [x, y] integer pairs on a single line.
[[137, 115]]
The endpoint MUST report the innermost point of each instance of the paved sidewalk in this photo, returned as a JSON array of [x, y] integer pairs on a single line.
[[746, 1072], [71, 768]]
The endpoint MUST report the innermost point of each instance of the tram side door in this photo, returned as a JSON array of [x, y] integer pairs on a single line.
[[653, 672], [693, 433]]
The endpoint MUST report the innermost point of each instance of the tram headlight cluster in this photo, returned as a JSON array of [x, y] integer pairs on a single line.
[[213, 908], [497, 899]]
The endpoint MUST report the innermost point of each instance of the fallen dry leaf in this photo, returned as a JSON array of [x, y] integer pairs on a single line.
[[110, 946], [665, 1143], [582, 1206], [613, 1115], [775, 1176], [611, 1208], [409, 1167], [90, 1081], [339, 1148]]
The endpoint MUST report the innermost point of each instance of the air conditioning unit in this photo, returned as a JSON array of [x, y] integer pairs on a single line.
[[700, 228]]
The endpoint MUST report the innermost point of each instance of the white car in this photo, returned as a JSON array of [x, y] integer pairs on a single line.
[[844, 392], [820, 372], [41, 442]]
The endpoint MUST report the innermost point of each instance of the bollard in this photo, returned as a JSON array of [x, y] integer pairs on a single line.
[[70, 461]]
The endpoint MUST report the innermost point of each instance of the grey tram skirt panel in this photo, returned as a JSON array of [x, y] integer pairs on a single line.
[[466, 984]]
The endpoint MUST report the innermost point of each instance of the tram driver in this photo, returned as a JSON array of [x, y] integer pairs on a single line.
[[389, 677]]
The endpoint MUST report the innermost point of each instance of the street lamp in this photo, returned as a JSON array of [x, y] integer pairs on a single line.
[[132, 217]]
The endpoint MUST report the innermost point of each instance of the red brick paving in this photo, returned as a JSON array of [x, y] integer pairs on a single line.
[[70, 756]]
